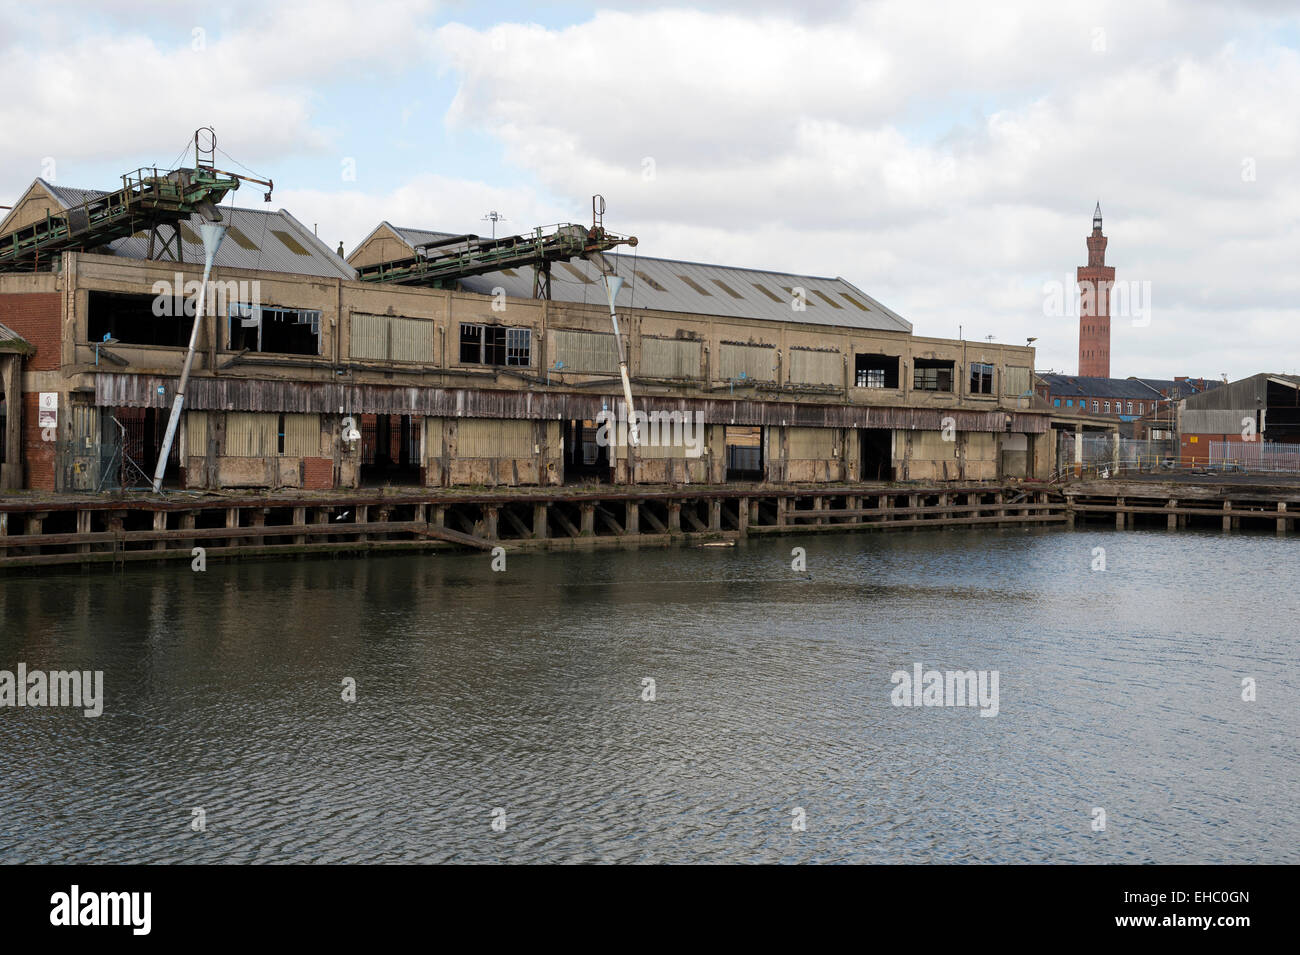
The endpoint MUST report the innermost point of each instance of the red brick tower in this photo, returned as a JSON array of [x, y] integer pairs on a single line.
[[1095, 281]]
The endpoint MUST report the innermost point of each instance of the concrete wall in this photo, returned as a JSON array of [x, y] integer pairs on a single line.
[[671, 355]]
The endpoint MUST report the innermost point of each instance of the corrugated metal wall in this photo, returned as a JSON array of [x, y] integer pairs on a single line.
[[810, 444], [670, 358], [196, 434], [301, 436], [480, 438], [387, 337], [1015, 380], [251, 435], [586, 351], [1214, 422], [258, 435], [369, 336], [757, 362], [410, 339], [816, 367]]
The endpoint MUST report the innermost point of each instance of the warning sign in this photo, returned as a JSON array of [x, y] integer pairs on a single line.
[[48, 410]]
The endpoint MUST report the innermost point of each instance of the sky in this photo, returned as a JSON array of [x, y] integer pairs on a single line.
[[945, 157]]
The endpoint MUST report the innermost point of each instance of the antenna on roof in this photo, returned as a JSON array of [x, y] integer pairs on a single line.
[[494, 217]]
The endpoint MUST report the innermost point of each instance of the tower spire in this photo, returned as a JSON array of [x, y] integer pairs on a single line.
[[1096, 218]]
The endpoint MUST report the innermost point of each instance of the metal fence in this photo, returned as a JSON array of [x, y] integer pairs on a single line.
[[1255, 456], [1103, 455]]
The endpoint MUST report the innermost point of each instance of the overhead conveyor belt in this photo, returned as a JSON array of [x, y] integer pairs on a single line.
[[148, 198], [440, 264]]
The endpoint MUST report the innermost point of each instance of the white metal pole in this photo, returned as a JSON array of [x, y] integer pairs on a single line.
[[213, 233], [612, 284]]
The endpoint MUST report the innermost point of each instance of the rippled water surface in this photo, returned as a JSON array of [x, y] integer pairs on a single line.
[[522, 691]]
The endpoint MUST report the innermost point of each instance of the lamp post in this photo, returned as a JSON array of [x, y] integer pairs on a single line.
[[612, 284], [213, 233]]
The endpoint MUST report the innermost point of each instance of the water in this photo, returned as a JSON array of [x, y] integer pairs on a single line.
[[521, 691]]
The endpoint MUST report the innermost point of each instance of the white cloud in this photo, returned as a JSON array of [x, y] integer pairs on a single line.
[[945, 157]]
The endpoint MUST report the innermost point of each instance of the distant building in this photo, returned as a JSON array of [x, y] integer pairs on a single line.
[[1261, 408], [1095, 282], [1145, 406]]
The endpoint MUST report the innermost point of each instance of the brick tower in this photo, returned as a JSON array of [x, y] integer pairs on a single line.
[[1095, 282]]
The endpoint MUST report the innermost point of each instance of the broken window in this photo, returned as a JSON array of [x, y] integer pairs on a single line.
[[875, 371], [266, 328], [981, 378], [495, 345], [139, 319], [932, 374]]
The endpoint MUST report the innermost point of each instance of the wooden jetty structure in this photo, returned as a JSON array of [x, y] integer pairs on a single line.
[[62, 529]]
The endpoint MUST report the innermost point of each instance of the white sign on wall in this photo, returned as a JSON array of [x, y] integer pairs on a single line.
[[48, 410]]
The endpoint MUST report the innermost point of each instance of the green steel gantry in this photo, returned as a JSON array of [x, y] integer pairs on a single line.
[[439, 264], [148, 198]]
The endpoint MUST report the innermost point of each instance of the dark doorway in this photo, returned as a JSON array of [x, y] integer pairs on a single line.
[[390, 449], [744, 454], [585, 458], [877, 454], [140, 433]]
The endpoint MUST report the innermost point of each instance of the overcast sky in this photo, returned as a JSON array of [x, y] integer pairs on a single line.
[[944, 157]]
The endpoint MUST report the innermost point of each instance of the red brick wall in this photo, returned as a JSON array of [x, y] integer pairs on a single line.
[[317, 473], [35, 316], [1198, 451], [38, 454]]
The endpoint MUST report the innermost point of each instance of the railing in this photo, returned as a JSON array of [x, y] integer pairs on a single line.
[[1266, 456]]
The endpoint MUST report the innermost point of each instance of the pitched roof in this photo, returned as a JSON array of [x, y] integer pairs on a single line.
[[10, 340], [270, 240], [1086, 387], [257, 239], [1180, 388], [673, 285]]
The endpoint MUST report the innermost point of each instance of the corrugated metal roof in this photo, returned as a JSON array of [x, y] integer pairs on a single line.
[[272, 241], [70, 195], [696, 288], [258, 239]]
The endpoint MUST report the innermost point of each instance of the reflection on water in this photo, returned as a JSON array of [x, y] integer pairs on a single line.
[[522, 691]]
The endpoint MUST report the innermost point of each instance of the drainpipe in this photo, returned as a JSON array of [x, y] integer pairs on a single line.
[[213, 233]]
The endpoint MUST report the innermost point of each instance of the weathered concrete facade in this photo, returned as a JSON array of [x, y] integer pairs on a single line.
[[262, 418]]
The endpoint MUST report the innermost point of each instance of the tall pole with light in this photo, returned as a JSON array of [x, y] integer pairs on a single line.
[[213, 233], [612, 284]]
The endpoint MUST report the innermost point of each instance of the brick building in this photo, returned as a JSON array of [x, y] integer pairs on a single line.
[[1095, 282]]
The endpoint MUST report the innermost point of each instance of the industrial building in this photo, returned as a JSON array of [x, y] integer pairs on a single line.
[[435, 359], [1250, 415]]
